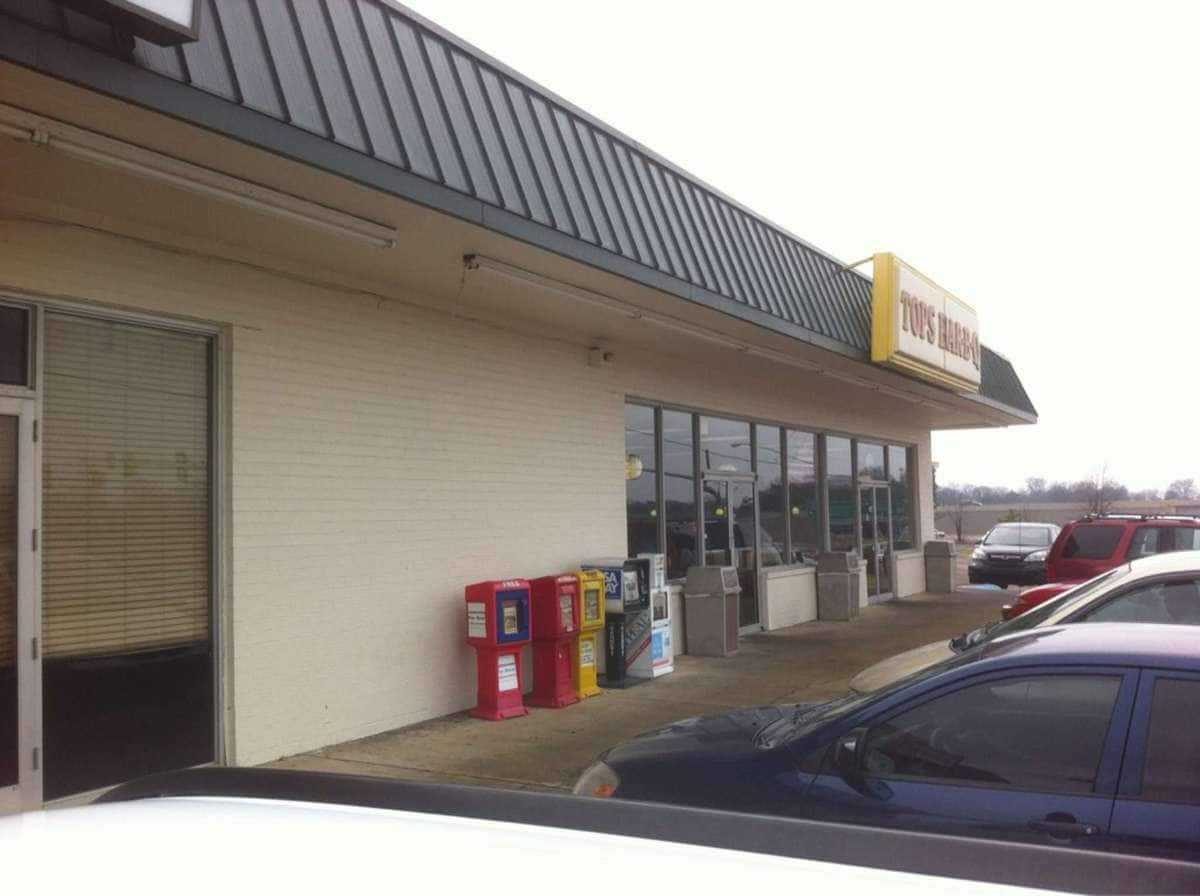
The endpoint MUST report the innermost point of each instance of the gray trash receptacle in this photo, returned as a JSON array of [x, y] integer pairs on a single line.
[[941, 566], [838, 585], [710, 610]]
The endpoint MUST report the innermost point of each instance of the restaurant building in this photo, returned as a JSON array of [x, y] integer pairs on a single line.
[[312, 314]]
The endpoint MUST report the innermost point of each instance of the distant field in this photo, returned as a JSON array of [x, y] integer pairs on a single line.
[[977, 520]]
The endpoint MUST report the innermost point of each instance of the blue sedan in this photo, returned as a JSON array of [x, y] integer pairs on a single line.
[[1084, 735]]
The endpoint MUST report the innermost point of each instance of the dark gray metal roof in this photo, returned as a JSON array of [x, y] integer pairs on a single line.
[[1003, 384], [376, 93]]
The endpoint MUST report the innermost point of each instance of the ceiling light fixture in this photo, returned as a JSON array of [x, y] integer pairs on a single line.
[[483, 263], [98, 149], [472, 263]]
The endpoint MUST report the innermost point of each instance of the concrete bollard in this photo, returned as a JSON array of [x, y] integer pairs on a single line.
[[837, 585], [941, 566]]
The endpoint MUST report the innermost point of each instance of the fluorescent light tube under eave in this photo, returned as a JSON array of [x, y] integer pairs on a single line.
[[520, 275], [101, 150], [483, 263], [529, 278]]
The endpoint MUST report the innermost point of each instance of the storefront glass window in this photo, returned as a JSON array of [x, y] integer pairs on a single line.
[[641, 480], [870, 461], [772, 513], [803, 507], [679, 492], [724, 445], [840, 488], [788, 488], [903, 518]]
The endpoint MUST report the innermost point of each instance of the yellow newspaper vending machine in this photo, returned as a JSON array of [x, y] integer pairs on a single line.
[[591, 601]]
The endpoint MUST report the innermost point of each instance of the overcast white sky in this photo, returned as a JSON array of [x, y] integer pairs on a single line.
[[1040, 160]]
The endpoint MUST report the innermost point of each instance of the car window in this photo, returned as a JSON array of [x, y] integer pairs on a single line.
[[1171, 773], [1175, 602], [1148, 540], [1034, 536], [1186, 538], [1038, 733], [1092, 542], [1060, 604]]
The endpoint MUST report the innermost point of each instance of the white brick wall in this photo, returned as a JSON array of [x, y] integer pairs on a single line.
[[383, 456]]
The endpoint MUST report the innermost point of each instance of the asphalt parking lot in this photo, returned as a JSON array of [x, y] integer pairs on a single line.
[[550, 747]]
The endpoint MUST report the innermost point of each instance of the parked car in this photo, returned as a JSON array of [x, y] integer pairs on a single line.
[[1094, 544], [1159, 589], [1046, 736], [1012, 554]]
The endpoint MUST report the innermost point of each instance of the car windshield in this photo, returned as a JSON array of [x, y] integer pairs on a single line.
[[1031, 618], [1034, 536]]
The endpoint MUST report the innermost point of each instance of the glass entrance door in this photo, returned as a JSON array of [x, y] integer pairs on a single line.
[[19, 736], [875, 538], [731, 538]]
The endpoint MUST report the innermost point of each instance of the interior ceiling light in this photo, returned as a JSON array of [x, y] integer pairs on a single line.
[[633, 467], [98, 149]]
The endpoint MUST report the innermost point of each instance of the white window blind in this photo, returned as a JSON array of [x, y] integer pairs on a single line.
[[8, 545], [125, 512]]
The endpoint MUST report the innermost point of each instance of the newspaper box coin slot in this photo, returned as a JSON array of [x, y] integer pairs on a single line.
[[556, 626], [498, 627], [586, 656]]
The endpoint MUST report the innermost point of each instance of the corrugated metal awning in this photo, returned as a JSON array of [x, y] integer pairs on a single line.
[[380, 95]]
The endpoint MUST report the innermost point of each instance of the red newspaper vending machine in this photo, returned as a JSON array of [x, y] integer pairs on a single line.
[[498, 628], [555, 601]]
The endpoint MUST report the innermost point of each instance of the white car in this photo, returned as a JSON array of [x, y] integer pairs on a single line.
[[217, 830], [1162, 588]]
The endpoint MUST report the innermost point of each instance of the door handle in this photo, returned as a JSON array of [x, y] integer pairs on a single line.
[[1064, 827]]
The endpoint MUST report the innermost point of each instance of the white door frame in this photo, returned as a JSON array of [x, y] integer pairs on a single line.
[[27, 793]]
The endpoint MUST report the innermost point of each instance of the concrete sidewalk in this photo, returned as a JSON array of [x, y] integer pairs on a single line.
[[550, 747]]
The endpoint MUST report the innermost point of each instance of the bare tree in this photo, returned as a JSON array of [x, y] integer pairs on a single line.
[[1096, 492], [1035, 487], [958, 507], [1181, 490]]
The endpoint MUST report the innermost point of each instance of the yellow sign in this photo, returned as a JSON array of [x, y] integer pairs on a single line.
[[921, 328]]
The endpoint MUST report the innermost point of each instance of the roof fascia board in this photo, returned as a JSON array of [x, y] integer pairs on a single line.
[[1009, 410]]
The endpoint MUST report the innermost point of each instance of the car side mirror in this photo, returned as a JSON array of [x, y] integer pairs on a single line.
[[848, 753]]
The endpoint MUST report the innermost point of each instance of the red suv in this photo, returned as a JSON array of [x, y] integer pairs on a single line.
[[1096, 544]]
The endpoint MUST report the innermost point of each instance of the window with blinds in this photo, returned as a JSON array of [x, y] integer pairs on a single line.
[[125, 510]]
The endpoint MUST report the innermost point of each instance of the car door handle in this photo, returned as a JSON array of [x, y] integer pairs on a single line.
[[1064, 828]]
